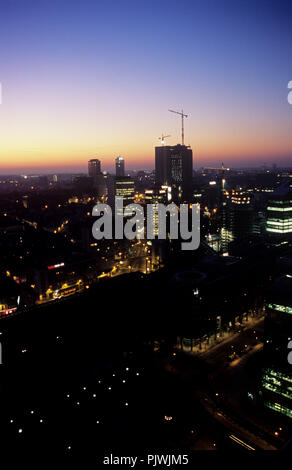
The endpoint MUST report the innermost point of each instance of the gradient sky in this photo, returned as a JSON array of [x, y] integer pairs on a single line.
[[89, 78]]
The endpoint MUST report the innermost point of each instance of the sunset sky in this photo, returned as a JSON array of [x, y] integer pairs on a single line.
[[95, 79]]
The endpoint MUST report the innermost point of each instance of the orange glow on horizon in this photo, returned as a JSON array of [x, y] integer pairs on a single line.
[[234, 152], [45, 141]]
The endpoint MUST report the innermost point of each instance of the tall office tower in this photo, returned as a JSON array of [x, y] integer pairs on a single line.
[[259, 223], [94, 167], [212, 195], [124, 186], [120, 166], [101, 186], [110, 185], [174, 168], [237, 218], [94, 172], [276, 380], [279, 212], [155, 197]]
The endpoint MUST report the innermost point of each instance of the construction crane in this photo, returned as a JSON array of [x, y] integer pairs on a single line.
[[222, 170], [182, 123], [163, 137], [217, 169]]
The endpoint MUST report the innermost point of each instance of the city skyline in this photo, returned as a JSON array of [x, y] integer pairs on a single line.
[[100, 85], [145, 231]]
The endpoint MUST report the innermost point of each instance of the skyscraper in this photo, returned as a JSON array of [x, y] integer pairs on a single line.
[[279, 212], [124, 187], [120, 166], [174, 168], [156, 196], [237, 218], [94, 167], [276, 383], [94, 172]]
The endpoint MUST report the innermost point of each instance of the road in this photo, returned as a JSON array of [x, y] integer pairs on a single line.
[[221, 385]]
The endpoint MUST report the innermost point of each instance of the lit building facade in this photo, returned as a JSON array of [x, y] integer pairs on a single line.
[[279, 213], [120, 166], [174, 168], [124, 187], [94, 167], [155, 197], [276, 381], [237, 218], [94, 172]]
